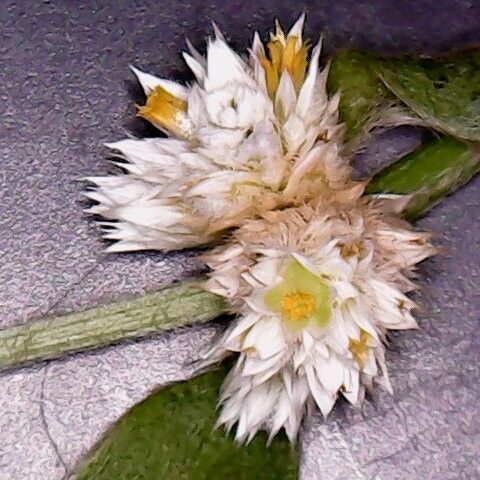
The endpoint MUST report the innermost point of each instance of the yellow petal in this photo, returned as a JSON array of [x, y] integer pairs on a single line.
[[284, 55], [298, 68], [165, 111]]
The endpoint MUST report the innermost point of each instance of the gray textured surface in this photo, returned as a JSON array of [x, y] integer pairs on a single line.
[[64, 89]]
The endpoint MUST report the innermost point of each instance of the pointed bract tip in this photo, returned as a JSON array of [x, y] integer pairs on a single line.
[[297, 29], [217, 31]]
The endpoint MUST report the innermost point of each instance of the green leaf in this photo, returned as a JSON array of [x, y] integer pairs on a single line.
[[429, 174], [363, 95], [444, 93], [170, 436]]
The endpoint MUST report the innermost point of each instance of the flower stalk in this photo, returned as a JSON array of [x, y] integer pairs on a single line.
[[54, 337]]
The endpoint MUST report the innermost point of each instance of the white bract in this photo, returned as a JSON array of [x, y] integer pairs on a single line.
[[315, 289], [248, 136]]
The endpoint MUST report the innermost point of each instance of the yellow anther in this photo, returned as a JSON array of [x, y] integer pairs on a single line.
[[301, 298], [348, 250], [361, 348], [298, 306]]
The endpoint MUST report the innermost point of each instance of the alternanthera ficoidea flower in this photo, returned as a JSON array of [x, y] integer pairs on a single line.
[[315, 289], [250, 135]]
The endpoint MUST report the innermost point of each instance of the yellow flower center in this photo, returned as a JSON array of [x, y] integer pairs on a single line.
[[361, 348], [165, 111], [300, 298], [298, 305], [284, 55]]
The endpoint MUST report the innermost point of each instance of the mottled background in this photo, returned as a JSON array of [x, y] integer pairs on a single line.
[[65, 88]]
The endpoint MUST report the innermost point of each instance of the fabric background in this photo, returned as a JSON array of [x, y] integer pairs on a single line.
[[65, 88]]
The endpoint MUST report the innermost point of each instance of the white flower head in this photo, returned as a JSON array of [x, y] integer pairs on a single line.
[[250, 135], [315, 289]]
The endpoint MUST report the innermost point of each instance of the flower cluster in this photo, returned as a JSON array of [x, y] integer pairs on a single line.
[[249, 136], [315, 271], [315, 289]]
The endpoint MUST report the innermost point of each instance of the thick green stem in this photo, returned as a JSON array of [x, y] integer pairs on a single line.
[[428, 175], [151, 313]]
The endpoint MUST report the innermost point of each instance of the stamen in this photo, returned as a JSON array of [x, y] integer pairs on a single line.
[[361, 348], [348, 250], [298, 306]]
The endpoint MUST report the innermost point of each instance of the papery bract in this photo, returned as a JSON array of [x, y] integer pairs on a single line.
[[315, 289], [249, 136]]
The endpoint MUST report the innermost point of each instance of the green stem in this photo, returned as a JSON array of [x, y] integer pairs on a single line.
[[151, 313], [428, 175]]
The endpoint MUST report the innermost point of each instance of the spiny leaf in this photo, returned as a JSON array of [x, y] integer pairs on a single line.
[[171, 436], [442, 94]]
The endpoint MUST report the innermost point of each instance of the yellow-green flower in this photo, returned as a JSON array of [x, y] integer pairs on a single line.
[[301, 297]]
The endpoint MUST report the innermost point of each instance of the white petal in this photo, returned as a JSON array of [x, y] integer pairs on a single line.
[[239, 327], [330, 373], [257, 366], [352, 385], [195, 53], [266, 337], [344, 290], [307, 91], [224, 66], [283, 409], [265, 272], [257, 45], [286, 97], [218, 32], [370, 366], [383, 379], [323, 399], [338, 339], [388, 300], [297, 29], [196, 67], [299, 357], [391, 202], [322, 350], [304, 166], [294, 132], [150, 82], [308, 341], [360, 316], [217, 183], [136, 237]]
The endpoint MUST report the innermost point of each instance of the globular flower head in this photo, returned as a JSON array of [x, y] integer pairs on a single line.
[[315, 288], [250, 135]]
